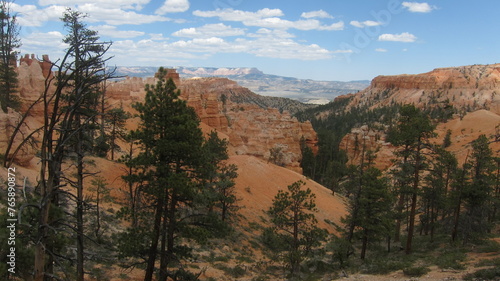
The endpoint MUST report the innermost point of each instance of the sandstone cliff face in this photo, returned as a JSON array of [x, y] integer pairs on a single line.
[[473, 91], [368, 139], [467, 88], [252, 129], [8, 122], [224, 106]]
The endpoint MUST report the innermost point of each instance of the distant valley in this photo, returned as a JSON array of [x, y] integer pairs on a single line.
[[303, 90]]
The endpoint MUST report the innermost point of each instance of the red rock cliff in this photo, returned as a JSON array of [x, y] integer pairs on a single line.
[[250, 129]]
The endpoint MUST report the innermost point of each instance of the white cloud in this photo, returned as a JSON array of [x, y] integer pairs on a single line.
[[343, 52], [29, 15], [157, 37], [124, 4], [381, 50], [416, 7], [173, 6], [272, 43], [316, 14], [113, 32], [44, 43], [365, 23], [276, 33], [238, 15], [118, 16], [209, 30], [267, 18], [334, 26], [403, 37]]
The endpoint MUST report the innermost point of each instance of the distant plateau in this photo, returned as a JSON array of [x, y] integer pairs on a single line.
[[303, 90]]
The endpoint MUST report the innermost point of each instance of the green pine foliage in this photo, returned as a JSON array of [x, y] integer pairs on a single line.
[[181, 175], [9, 42], [294, 233]]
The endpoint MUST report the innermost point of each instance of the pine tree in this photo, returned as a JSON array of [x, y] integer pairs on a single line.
[[175, 172], [412, 132], [479, 194], [308, 161], [436, 190], [374, 209], [9, 41], [116, 118], [295, 224], [67, 112], [87, 66]]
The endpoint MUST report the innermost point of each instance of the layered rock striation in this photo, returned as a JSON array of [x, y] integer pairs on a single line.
[[251, 126], [467, 88]]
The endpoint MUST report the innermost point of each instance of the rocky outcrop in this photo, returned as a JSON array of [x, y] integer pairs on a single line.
[[8, 122], [481, 77], [45, 63], [467, 88], [472, 93], [251, 127], [368, 139]]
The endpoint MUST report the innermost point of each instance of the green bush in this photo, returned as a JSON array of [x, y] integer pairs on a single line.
[[484, 274], [489, 262], [236, 272], [451, 260], [416, 271], [383, 266], [488, 246]]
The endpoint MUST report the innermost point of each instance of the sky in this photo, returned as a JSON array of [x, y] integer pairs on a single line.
[[334, 40]]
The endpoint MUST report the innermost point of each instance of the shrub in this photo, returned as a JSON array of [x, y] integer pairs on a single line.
[[451, 260], [484, 274], [416, 271]]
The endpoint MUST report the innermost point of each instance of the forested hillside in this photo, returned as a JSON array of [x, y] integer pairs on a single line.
[[427, 148]]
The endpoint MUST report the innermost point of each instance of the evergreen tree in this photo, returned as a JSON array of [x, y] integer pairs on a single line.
[[413, 130], [175, 172], [478, 195], [447, 139], [116, 119], [374, 206], [9, 41], [67, 115], [435, 191], [295, 224], [87, 67], [171, 143], [308, 162]]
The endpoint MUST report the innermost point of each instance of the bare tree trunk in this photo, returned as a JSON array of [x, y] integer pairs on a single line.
[[79, 209]]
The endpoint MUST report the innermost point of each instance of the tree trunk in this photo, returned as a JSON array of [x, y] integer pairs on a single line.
[[365, 244], [416, 179], [153, 249], [399, 212], [400, 206], [163, 246]]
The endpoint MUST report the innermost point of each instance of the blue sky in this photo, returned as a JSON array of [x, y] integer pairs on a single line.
[[315, 39]]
